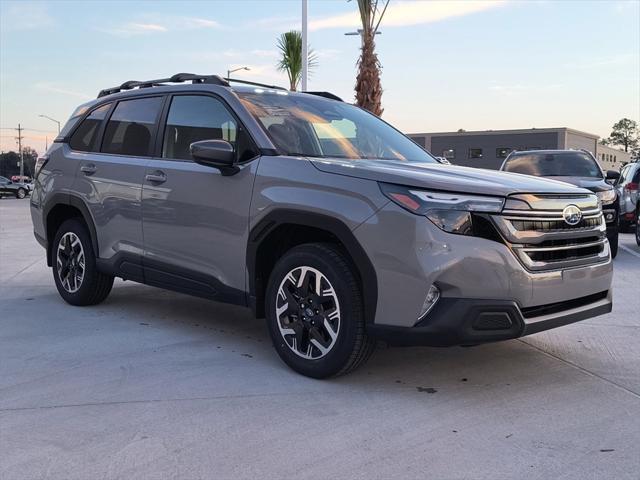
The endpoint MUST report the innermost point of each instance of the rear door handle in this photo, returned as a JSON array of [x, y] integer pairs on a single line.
[[156, 177], [89, 169]]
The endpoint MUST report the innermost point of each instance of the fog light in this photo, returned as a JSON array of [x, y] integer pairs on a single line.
[[609, 217], [432, 297]]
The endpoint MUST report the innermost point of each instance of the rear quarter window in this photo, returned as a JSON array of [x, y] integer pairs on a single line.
[[85, 135]]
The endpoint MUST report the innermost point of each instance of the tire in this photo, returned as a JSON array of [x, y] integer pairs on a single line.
[[87, 286], [613, 243], [638, 227], [305, 342], [21, 193]]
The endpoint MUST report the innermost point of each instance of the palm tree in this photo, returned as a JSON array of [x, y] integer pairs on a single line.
[[368, 86], [290, 46]]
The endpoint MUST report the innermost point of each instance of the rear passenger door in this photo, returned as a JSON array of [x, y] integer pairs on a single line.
[[112, 156], [195, 220]]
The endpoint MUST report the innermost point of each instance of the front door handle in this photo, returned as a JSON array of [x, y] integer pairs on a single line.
[[88, 169], [156, 177]]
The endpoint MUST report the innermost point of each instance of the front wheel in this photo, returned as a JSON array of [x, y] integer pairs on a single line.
[[314, 311], [21, 193], [74, 266], [638, 226]]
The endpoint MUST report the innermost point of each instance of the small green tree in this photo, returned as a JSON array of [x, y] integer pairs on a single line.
[[625, 133], [290, 46]]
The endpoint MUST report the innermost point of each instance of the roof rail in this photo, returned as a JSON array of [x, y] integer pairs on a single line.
[[255, 84], [177, 78], [325, 95]]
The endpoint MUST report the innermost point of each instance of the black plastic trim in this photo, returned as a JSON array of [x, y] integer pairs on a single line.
[[337, 228]]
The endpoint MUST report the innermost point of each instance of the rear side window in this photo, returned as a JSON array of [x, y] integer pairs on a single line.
[[84, 136], [193, 118], [130, 128]]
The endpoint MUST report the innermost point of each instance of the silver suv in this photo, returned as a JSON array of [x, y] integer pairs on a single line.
[[316, 215]]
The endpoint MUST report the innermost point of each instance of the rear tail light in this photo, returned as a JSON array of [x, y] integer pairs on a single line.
[[40, 162], [631, 186]]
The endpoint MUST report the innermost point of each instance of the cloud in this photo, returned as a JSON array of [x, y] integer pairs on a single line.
[[159, 24], [26, 16], [520, 89], [401, 14], [47, 87]]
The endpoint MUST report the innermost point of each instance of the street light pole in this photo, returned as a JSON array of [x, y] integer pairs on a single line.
[[229, 72], [52, 119], [305, 47]]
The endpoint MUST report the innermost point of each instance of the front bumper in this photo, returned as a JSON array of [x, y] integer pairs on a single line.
[[475, 276], [465, 321]]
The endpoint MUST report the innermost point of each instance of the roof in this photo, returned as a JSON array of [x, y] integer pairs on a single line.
[[520, 131]]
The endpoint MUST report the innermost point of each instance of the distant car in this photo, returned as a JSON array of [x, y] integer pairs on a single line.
[[577, 167], [628, 187], [18, 190], [20, 179]]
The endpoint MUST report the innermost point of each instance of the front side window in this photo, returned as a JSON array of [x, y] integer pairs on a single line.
[[84, 136], [560, 164], [475, 153], [312, 126], [130, 128], [193, 118]]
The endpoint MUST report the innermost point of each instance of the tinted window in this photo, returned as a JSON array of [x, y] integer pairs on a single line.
[[502, 152], [561, 164], [84, 136], [193, 118], [130, 128], [475, 153], [312, 126]]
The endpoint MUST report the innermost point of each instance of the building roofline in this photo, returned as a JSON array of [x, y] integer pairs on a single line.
[[521, 131]]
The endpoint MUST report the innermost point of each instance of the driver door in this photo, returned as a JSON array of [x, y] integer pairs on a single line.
[[195, 224]]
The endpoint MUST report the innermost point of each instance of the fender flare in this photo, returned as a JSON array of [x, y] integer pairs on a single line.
[[72, 201], [336, 227]]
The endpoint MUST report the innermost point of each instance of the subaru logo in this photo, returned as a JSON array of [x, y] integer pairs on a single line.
[[572, 215]]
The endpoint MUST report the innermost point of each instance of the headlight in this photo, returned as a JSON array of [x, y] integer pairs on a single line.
[[451, 212], [606, 196]]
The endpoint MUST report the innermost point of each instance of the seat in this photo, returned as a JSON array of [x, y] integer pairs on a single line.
[[136, 140]]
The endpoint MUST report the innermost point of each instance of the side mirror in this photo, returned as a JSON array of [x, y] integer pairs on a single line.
[[613, 175], [215, 153]]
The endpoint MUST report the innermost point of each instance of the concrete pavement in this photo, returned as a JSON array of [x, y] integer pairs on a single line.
[[152, 384]]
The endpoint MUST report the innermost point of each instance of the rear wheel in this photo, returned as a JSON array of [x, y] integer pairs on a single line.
[[74, 266], [638, 226], [21, 193], [314, 310]]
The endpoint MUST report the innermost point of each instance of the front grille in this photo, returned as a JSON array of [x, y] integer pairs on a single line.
[[542, 240], [551, 225]]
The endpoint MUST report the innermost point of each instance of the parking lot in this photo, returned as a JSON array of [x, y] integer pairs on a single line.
[[154, 384]]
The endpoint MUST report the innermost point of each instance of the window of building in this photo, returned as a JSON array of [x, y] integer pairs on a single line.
[[84, 136], [449, 154], [130, 128], [475, 153], [502, 152]]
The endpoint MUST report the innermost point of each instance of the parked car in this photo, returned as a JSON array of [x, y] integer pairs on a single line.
[[18, 179], [628, 187], [7, 187], [315, 214], [577, 167]]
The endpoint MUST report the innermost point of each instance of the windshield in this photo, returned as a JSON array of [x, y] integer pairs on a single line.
[[561, 164], [316, 127]]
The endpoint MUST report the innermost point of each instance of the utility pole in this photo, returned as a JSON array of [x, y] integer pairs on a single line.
[[305, 47], [19, 138]]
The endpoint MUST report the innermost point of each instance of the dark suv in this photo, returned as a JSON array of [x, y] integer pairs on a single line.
[[316, 215], [577, 167]]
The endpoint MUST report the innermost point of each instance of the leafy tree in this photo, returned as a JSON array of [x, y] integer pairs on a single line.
[[290, 46], [625, 133], [368, 86]]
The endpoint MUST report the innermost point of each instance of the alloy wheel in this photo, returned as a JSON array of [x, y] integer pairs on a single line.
[[308, 312], [70, 262]]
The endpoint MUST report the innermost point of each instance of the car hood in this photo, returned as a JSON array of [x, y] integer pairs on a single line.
[[593, 184], [444, 177]]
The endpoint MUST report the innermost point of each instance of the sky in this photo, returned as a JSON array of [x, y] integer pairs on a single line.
[[472, 64]]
